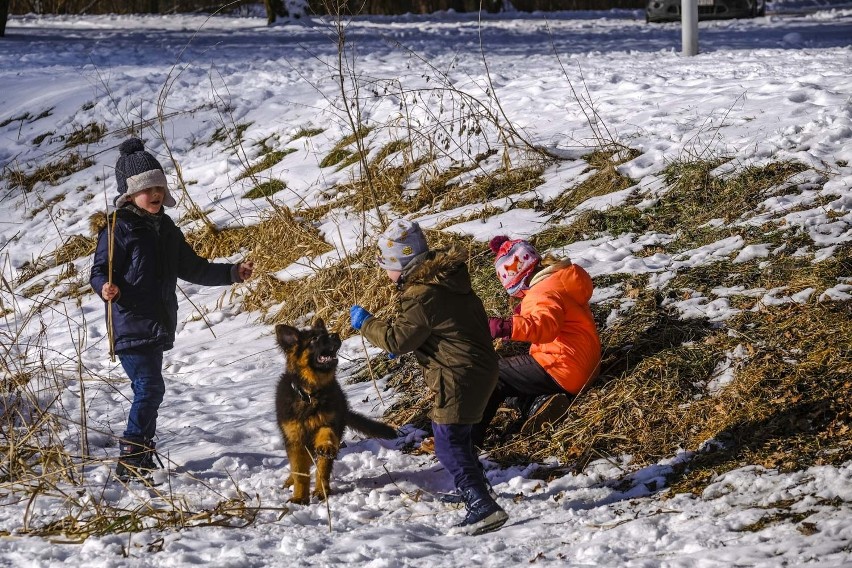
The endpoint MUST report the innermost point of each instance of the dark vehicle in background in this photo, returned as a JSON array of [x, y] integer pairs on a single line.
[[669, 10]]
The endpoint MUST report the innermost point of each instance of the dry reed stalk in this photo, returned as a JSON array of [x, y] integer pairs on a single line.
[[355, 302]]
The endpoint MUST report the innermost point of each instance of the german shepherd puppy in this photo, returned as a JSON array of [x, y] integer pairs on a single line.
[[312, 410]]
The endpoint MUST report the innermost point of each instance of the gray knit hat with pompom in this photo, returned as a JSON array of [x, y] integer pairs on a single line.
[[136, 170]]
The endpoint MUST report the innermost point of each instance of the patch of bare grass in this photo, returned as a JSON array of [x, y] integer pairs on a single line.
[[605, 179], [266, 161], [696, 197], [340, 152], [90, 134], [495, 185], [265, 189], [789, 406], [53, 173], [785, 270], [593, 223], [307, 133]]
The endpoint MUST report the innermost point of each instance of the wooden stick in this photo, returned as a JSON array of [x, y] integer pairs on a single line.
[[110, 248]]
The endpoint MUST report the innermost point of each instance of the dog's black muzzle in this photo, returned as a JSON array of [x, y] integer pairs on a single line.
[[325, 351]]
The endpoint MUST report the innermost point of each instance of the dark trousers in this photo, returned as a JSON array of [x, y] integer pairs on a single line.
[[521, 377], [144, 368], [454, 449]]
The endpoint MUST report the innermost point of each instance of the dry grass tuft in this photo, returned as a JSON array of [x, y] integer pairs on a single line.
[[230, 137], [74, 247], [496, 185], [307, 133], [52, 173], [341, 151]]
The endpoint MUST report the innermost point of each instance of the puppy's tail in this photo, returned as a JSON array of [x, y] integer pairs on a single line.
[[369, 427]]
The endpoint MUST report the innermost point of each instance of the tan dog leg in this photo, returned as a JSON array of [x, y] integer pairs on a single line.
[[327, 446], [300, 474]]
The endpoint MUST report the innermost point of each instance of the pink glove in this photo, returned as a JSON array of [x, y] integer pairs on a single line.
[[500, 328]]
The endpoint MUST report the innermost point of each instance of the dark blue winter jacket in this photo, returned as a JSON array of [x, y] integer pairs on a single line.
[[149, 255]]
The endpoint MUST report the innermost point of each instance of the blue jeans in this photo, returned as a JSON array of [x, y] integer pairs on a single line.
[[454, 449], [144, 368]]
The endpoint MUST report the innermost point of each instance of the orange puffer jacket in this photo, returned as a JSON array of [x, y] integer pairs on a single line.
[[555, 317]]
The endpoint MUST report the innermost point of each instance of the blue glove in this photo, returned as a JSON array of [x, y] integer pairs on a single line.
[[358, 316]]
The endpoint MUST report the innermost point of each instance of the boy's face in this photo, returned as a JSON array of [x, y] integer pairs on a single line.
[[150, 200]]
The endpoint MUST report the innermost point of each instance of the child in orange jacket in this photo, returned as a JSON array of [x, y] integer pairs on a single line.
[[555, 317]]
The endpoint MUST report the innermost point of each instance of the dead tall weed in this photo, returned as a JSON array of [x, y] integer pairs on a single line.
[[354, 279], [278, 240]]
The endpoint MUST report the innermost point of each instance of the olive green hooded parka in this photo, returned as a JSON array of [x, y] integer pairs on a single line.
[[444, 323]]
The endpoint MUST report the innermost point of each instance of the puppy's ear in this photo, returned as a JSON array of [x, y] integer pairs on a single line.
[[287, 335], [319, 324]]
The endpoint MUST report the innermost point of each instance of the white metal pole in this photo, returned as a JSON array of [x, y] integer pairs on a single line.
[[689, 24]]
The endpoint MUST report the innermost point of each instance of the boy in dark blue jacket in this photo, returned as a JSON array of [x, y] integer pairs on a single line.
[[149, 253]]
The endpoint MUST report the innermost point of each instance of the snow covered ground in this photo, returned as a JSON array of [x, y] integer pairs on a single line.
[[767, 89]]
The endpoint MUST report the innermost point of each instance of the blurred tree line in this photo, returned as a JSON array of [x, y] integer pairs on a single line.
[[319, 7]]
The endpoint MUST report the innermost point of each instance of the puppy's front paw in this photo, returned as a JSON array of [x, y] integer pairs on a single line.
[[328, 451], [300, 500], [322, 495]]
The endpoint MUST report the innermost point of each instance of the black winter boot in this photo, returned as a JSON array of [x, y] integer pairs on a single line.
[[136, 459], [483, 513], [546, 413], [455, 496]]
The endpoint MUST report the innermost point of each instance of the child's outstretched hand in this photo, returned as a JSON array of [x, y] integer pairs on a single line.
[[245, 270], [110, 292]]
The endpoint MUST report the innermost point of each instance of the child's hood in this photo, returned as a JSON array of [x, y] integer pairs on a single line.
[[442, 267], [571, 277], [98, 222], [101, 220]]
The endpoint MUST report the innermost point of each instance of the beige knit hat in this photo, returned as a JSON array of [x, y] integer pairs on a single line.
[[399, 243]]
